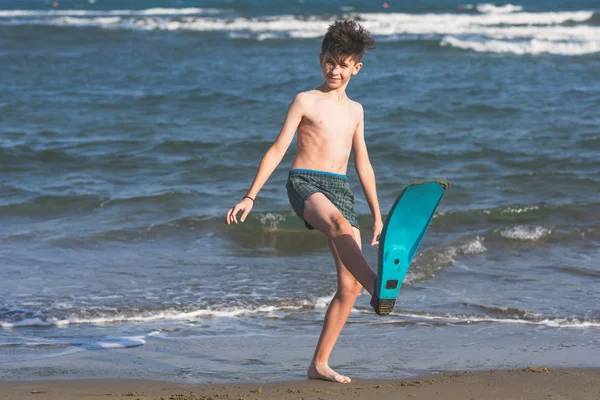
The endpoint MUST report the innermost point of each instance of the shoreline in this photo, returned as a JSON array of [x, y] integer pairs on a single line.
[[530, 383]]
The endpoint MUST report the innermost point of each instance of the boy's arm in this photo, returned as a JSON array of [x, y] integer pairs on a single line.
[[271, 159], [366, 174]]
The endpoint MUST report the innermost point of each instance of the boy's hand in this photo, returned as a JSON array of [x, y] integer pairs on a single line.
[[377, 227], [245, 205]]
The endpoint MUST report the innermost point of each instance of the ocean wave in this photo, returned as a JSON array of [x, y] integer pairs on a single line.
[[85, 13], [504, 29], [581, 271], [185, 146], [533, 46], [526, 233], [487, 314], [46, 205], [571, 215], [38, 348], [284, 232], [429, 261], [473, 247], [59, 347], [500, 311], [457, 319], [487, 8], [518, 214], [17, 155], [594, 20], [272, 220], [52, 204], [115, 343], [11, 318], [276, 229], [313, 26]]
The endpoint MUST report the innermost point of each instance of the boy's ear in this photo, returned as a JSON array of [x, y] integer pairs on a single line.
[[357, 68], [321, 58]]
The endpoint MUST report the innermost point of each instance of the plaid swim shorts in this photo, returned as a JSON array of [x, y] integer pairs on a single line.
[[302, 183]]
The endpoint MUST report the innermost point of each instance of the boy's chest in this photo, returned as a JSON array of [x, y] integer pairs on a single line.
[[335, 119]]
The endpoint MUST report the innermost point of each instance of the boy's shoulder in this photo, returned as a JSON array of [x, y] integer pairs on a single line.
[[306, 100], [309, 95]]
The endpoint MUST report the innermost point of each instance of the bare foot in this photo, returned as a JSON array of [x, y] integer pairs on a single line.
[[323, 371]]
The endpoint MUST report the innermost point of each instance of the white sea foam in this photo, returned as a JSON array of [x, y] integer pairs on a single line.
[[502, 29], [493, 9], [427, 263], [474, 247], [523, 232], [322, 302], [33, 322], [166, 315], [379, 23], [548, 322], [238, 35], [108, 342], [533, 46], [413, 276], [519, 210], [115, 343], [271, 220], [149, 11], [265, 36]]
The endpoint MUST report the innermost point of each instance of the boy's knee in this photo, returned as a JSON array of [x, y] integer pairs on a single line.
[[338, 225], [350, 290]]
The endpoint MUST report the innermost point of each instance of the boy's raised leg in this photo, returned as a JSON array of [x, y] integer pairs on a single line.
[[335, 318], [324, 216]]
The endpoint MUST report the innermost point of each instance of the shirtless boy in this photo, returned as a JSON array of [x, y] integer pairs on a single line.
[[329, 126]]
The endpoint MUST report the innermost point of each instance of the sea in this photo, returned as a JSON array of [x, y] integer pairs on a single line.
[[128, 129]]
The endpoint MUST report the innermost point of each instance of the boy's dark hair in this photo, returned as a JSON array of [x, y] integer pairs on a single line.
[[347, 39]]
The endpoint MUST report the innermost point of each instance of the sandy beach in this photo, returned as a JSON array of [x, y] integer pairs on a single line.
[[531, 383]]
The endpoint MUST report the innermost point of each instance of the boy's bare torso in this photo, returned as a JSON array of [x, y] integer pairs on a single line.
[[326, 131]]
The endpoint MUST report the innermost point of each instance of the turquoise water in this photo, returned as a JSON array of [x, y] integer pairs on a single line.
[[128, 130]]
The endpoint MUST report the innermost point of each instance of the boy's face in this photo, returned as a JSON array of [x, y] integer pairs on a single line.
[[337, 73]]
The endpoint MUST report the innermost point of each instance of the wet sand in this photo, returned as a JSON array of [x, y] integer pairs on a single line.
[[528, 384]]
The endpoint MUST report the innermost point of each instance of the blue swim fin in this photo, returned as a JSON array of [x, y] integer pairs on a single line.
[[404, 229]]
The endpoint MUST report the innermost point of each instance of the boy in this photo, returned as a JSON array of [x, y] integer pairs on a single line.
[[330, 126]]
